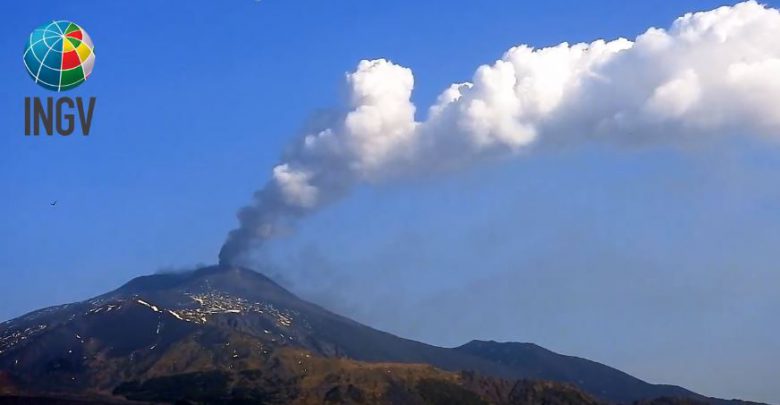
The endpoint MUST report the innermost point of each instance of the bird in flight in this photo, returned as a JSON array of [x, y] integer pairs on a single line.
[[53, 203]]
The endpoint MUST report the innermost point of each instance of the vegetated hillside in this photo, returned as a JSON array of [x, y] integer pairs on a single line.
[[296, 377]]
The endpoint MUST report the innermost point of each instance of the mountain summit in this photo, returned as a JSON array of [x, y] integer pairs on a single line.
[[214, 322]]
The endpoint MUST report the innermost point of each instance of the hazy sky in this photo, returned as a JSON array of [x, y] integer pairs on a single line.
[[656, 259]]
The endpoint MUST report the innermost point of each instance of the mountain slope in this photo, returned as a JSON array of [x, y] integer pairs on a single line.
[[294, 377], [228, 319], [532, 361]]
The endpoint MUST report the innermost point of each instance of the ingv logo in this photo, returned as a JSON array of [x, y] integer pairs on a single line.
[[58, 56]]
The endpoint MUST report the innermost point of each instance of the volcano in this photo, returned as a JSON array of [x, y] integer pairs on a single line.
[[223, 334]]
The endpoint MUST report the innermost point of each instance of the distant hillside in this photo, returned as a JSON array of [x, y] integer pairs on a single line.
[[531, 361]]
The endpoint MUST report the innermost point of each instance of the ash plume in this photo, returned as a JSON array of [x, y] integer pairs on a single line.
[[710, 74]]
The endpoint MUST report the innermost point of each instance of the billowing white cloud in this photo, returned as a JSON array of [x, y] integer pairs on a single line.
[[294, 186], [710, 74]]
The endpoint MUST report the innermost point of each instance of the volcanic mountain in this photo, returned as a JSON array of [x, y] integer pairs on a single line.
[[222, 333]]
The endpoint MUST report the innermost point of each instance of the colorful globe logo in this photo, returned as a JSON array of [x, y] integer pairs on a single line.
[[59, 55]]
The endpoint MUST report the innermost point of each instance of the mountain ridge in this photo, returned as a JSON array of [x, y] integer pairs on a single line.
[[168, 324]]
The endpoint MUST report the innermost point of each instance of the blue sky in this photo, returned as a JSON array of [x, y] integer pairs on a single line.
[[653, 260]]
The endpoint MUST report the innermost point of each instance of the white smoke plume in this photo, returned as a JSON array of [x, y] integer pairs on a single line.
[[713, 73]]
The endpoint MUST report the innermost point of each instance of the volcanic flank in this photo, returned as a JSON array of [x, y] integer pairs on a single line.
[[224, 333]]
